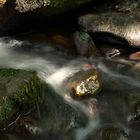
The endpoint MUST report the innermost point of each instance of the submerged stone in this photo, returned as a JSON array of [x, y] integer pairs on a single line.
[[134, 117], [19, 90], [114, 133], [108, 132], [135, 71]]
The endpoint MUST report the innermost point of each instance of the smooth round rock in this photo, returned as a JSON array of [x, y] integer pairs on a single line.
[[83, 83], [124, 27]]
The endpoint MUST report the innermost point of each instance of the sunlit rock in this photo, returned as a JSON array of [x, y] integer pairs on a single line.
[[2, 2], [51, 6], [135, 56], [83, 83], [19, 90], [121, 29]]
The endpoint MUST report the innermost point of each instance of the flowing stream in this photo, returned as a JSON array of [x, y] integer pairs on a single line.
[[54, 64]]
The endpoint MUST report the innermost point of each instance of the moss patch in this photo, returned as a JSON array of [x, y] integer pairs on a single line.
[[19, 89]]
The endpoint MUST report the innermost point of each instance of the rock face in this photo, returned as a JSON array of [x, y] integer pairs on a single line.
[[51, 6], [47, 6], [13, 14], [19, 90], [121, 25], [11, 17]]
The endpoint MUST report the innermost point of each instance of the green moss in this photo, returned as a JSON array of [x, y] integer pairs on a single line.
[[20, 90], [30, 93], [8, 72], [6, 110]]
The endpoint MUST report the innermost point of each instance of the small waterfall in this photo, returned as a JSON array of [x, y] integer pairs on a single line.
[[54, 67]]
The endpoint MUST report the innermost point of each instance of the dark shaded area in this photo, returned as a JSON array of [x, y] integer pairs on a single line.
[[17, 23], [110, 39], [36, 21]]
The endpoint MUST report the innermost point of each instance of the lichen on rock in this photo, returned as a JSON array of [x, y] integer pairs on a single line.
[[26, 5], [30, 5], [2, 2]]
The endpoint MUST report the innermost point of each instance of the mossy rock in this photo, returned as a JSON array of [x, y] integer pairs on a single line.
[[19, 90], [59, 115]]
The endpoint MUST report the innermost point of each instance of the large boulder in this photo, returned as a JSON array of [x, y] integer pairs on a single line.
[[19, 91], [124, 27], [18, 14], [49, 6]]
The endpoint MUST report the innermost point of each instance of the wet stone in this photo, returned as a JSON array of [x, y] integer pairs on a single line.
[[134, 118], [109, 52], [84, 44], [108, 133], [84, 83], [19, 90], [135, 56], [126, 5], [135, 71]]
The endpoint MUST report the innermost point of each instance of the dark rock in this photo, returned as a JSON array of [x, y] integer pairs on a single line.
[[85, 45], [135, 56], [20, 90], [58, 116], [22, 15], [109, 133], [8, 19], [127, 5], [135, 71]]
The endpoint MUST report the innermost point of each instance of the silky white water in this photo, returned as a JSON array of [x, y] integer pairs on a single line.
[[54, 67]]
